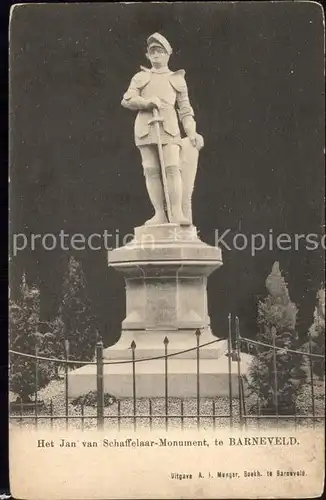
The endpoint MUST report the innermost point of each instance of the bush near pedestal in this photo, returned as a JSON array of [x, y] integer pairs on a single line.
[[317, 335], [277, 314], [75, 322], [25, 335]]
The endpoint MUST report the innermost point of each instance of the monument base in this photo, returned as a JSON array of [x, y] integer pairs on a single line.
[[182, 368], [179, 343], [166, 268], [150, 378]]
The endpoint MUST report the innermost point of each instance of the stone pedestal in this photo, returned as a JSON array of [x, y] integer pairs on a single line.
[[165, 268]]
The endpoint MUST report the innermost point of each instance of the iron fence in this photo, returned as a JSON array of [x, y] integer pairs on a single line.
[[237, 413], [277, 416]]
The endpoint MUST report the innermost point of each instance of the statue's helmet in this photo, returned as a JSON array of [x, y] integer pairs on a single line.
[[159, 41]]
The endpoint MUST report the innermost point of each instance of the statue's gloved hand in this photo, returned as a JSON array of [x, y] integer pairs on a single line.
[[154, 102], [197, 141]]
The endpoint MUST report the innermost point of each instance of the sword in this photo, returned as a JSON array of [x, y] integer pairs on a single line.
[[156, 120]]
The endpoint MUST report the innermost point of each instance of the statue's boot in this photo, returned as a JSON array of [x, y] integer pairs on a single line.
[[158, 218], [156, 195], [187, 210], [174, 183]]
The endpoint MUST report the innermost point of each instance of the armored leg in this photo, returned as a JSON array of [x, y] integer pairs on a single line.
[[174, 181], [189, 162], [152, 175]]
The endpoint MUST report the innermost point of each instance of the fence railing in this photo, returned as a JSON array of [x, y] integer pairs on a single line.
[[245, 416], [199, 413]]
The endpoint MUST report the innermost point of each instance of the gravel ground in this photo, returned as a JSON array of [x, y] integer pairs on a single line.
[[55, 392]]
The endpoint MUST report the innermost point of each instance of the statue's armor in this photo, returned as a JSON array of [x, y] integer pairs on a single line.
[[171, 88]]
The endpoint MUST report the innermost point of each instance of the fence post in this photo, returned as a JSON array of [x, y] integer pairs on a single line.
[[36, 384], [243, 404], [99, 385], [166, 395], [150, 414], [119, 414], [133, 348], [258, 395], [198, 333], [237, 331], [273, 332], [312, 382], [21, 412], [258, 412], [82, 415], [51, 413], [66, 380], [230, 369]]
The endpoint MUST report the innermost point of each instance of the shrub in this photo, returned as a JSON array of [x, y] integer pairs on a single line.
[[90, 399], [277, 316], [317, 335], [75, 321], [24, 322]]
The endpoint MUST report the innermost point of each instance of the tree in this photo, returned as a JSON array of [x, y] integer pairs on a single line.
[[75, 321], [317, 334], [277, 317], [25, 336]]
